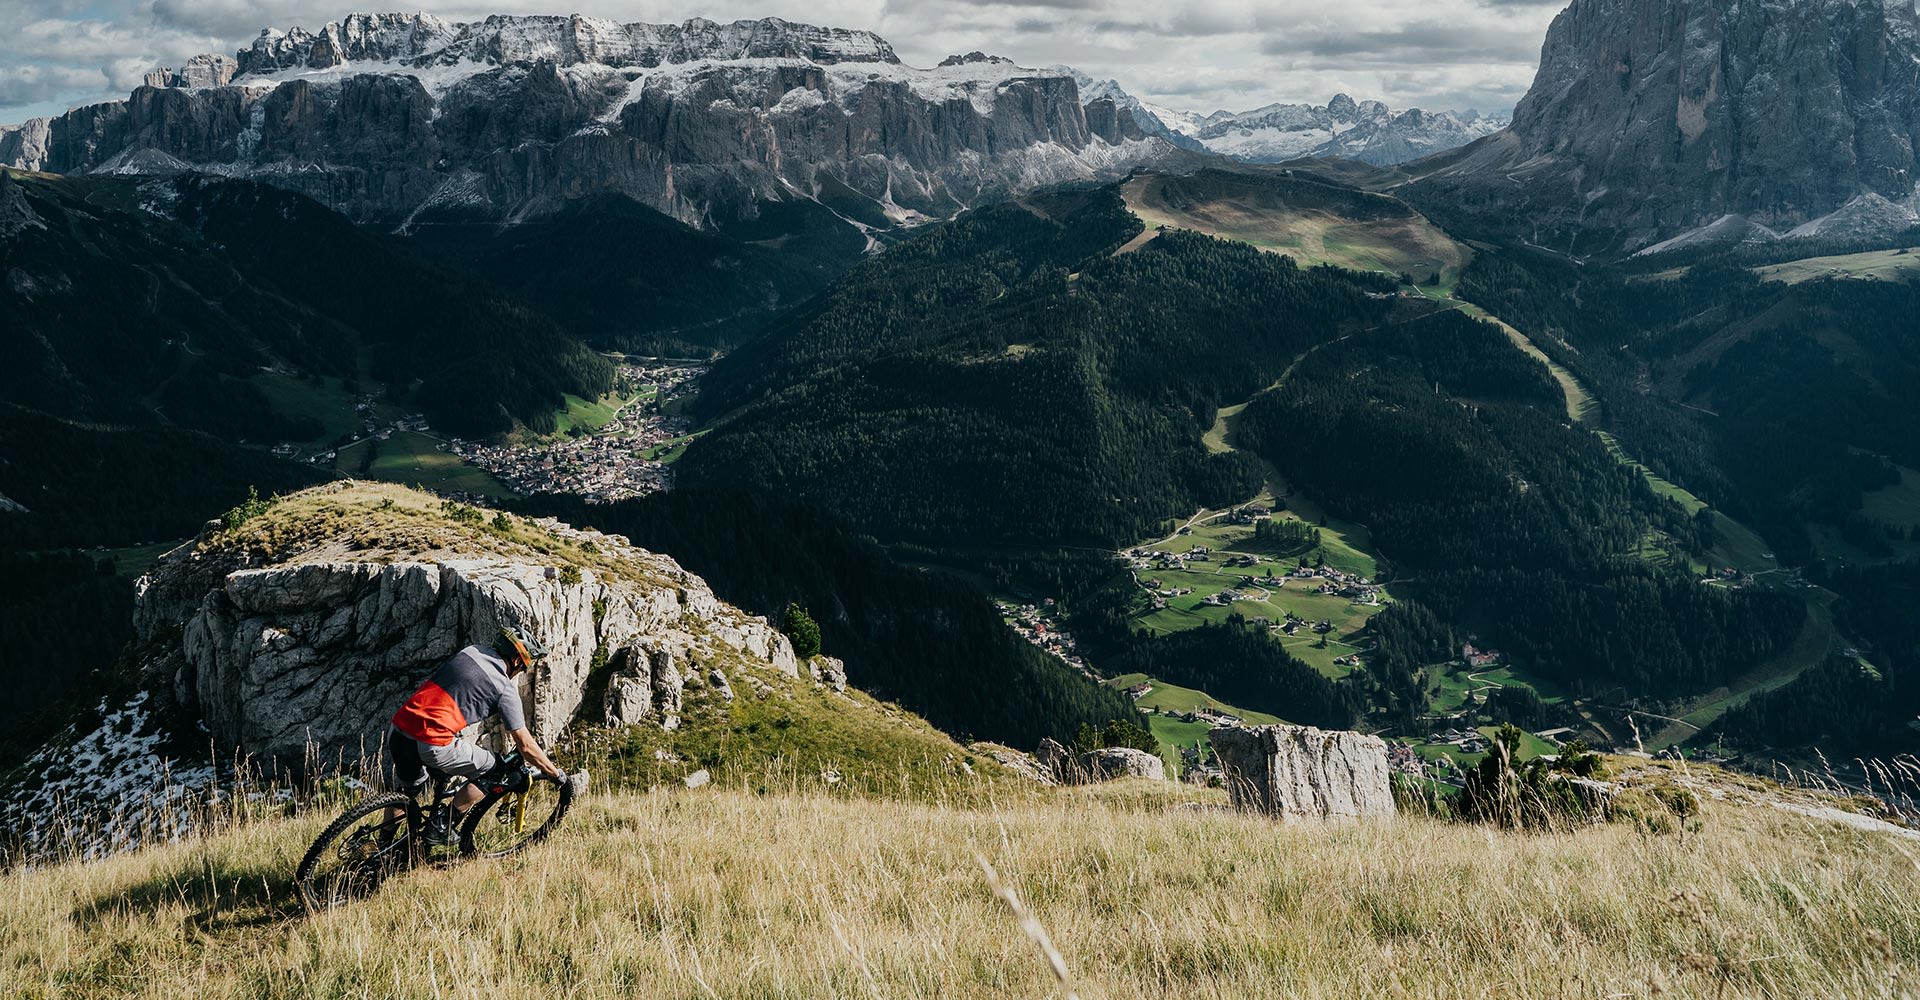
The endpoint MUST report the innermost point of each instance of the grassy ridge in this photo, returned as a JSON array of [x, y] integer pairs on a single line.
[[1308, 220], [724, 892]]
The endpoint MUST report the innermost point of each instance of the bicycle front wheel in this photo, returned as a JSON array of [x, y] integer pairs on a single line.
[[504, 824], [356, 853]]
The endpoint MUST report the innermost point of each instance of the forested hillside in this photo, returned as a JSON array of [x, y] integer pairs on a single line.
[[1779, 403], [86, 485], [66, 616], [1007, 379], [1852, 706], [1454, 449], [625, 277], [163, 301], [930, 641]]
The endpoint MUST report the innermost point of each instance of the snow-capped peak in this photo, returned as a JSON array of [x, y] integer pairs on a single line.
[[422, 40], [1362, 130]]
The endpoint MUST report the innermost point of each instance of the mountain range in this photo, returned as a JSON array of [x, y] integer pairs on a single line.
[[401, 118], [1367, 131]]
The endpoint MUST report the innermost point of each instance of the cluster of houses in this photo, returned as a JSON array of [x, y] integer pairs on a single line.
[[1338, 583], [1465, 740], [1730, 577], [1041, 626], [1198, 765], [1294, 623], [1210, 716], [1402, 758], [1479, 659], [1249, 514], [617, 461]]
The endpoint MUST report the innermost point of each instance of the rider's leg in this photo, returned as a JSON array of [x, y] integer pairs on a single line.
[[462, 758], [406, 772], [467, 796]]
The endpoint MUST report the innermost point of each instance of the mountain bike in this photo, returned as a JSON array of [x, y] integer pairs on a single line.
[[384, 835]]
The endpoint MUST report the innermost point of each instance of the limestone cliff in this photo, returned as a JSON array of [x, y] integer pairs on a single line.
[[299, 635], [386, 117], [1651, 119]]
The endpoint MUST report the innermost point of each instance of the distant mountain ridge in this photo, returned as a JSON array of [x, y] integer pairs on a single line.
[[1674, 123], [393, 118], [1367, 131]]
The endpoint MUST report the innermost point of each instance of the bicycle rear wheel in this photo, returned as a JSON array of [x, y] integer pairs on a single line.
[[356, 853], [508, 822]]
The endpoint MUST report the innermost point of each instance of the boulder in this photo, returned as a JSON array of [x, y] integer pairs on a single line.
[[1109, 763], [1300, 772]]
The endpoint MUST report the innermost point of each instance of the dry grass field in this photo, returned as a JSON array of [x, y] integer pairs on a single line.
[[1146, 891], [1310, 222]]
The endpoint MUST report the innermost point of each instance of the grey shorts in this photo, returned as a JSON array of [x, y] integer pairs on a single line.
[[460, 758]]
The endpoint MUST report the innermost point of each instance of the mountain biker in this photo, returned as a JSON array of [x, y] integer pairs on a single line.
[[476, 684]]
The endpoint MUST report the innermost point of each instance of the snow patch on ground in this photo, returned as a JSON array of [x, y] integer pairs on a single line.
[[109, 790]]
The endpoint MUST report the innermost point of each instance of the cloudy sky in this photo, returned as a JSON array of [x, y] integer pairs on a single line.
[[1190, 54]]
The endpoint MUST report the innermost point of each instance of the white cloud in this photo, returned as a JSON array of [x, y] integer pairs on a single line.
[[1202, 54]]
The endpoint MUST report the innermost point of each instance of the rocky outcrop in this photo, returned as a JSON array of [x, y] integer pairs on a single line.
[[395, 118], [1023, 765], [1064, 766], [24, 147], [1299, 772], [199, 71], [830, 671], [1650, 119], [307, 657], [1111, 763], [16, 217]]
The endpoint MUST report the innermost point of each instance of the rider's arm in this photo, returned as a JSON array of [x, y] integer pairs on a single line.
[[531, 751]]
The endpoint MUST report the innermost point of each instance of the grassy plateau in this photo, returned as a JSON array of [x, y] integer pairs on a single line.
[[1145, 891]]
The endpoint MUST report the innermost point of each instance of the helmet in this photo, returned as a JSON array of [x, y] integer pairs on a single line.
[[519, 649]]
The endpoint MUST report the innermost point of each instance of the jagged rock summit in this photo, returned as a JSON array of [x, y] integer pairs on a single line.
[[299, 634], [1300, 772], [394, 118], [1651, 120]]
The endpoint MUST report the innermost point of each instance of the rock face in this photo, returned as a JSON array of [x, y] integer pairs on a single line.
[[830, 671], [309, 657], [1299, 772], [385, 117], [1650, 119]]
